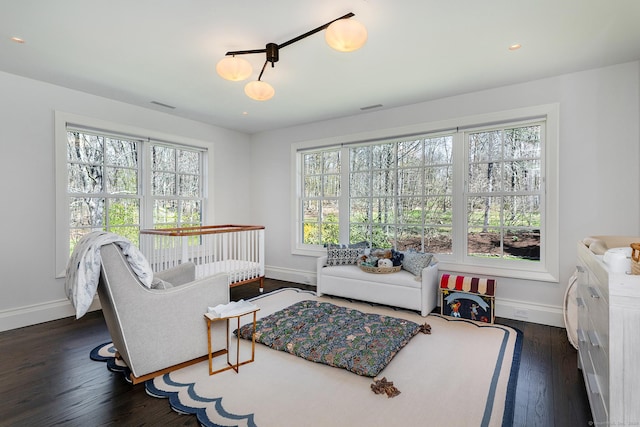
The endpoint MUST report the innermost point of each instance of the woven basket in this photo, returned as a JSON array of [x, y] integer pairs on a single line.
[[380, 270], [635, 258]]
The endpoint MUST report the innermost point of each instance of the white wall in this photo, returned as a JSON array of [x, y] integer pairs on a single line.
[[29, 292], [599, 176], [599, 170]]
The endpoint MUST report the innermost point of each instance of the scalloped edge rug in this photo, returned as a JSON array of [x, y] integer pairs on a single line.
[[463, 374]]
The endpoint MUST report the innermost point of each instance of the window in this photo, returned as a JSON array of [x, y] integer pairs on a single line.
[[105, 191], [399, 194], [320, 196], [103, 185], [120, 182], [476, 195], [503, 192], [176, 186]]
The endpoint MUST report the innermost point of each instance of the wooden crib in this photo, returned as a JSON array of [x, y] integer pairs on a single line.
[[234, 249]]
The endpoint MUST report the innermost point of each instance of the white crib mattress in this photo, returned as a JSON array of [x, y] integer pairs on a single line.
[[237, 269]]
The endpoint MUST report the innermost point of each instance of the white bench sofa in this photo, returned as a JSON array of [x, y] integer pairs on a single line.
[[400, 289]]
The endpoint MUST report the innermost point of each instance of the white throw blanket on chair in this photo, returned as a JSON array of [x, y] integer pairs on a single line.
[[83, 268]]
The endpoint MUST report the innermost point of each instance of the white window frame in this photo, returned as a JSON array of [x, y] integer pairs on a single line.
[[63, 121], [150, 199], [547, 269]]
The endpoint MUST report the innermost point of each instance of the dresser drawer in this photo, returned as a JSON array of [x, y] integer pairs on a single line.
[[598, 325], [594, 388], [599, 355], [596, 400], [595, 363], [593, 316], [593, 345]]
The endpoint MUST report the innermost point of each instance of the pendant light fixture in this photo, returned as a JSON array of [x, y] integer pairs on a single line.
[[343, 34], [346, 35], [259, 90], [234, 68]]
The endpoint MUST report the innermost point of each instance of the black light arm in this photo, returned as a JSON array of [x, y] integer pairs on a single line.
[[320, 28], [272, 49], [263, 67]]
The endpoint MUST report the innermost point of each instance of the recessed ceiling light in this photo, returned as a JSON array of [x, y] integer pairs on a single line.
[[515, 46], [17, 40], [245, 113]]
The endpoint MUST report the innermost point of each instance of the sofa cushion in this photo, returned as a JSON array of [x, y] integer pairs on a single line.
[[400, 278], [414, 261], [343, 255]]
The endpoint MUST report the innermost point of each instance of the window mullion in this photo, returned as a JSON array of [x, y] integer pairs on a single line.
[[145, 184], [396, 194], [343, 200], [460, 156]]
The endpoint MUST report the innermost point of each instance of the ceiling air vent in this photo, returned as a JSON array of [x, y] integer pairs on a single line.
[[371, 107], [163, 105]]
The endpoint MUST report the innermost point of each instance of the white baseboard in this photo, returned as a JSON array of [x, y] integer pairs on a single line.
[[39, 313], [303, 277], [530, 312]]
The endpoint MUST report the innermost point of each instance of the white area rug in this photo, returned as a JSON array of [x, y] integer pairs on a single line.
[[463, 374]]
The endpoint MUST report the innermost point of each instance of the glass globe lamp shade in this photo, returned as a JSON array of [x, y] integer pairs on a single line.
[[346, 35], [233, 68], [259, 90]]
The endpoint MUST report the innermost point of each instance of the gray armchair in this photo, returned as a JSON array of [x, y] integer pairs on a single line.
[[156, 331]]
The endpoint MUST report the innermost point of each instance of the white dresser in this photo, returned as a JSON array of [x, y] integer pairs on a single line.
[[609, 340]]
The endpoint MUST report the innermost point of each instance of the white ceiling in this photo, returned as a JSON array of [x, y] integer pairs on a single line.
[[166, 51]]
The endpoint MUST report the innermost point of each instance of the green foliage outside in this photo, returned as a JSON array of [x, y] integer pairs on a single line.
[[104, 174]]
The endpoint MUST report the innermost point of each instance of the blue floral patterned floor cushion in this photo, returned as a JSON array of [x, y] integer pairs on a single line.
[[362, 343]]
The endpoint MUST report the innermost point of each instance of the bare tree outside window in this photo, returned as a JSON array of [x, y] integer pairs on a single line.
[[103, 176], [105, 185], [504, 193], [400, 193]]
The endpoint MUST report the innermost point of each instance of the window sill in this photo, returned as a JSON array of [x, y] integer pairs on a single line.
[[540, 276], [314, 252]]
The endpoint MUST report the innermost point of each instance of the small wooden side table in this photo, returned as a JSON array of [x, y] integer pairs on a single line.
[[235, 366]]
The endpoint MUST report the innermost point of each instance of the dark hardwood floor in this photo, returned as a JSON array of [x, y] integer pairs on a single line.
[[47, 378]]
